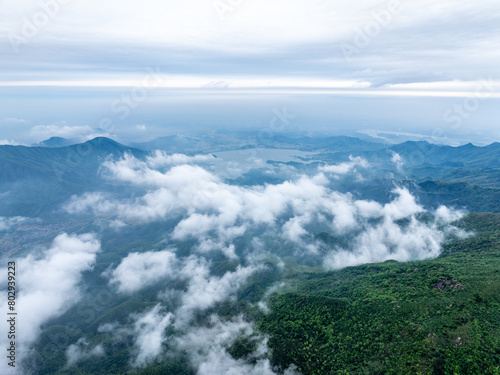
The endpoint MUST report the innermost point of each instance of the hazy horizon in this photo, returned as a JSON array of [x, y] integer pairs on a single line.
[[147, 70]]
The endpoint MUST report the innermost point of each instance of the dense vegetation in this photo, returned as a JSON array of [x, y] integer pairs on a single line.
[[459, 194], [440, 316], [430, 317]]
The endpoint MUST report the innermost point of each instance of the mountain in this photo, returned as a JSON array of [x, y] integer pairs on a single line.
[[422, 153], [435, 316], [460, 195], [425, 161], [56, 142], [425, 153], [34, 179], [43, 177], [244, 139], [287, 267]]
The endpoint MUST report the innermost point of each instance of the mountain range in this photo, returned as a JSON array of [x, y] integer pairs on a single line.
[[36, 179]]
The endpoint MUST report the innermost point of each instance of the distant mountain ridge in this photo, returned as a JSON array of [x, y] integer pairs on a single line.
[[171, 143], [35, 178], [57, 142]]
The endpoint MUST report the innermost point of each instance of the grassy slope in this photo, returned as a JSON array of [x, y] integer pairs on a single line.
[[391, 319]]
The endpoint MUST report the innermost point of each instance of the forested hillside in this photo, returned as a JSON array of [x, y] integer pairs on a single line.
[[440, 316]]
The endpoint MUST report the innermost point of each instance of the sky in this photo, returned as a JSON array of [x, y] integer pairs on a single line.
[[152, 68]]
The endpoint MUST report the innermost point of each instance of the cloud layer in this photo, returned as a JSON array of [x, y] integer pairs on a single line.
[[215, 213], [50, 285], [217, 238]]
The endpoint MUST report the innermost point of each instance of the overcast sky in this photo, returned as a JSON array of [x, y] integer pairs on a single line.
[[411, 64]]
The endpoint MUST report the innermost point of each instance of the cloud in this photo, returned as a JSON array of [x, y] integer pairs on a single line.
[[6, 142], [149, 332], [15, 120], [389, 241], [448, 215], [139, 270], [7, 223], [273, 221], [215, 213], [344, 168], [401, 207], [50, 284], [86, 202], [162, 159], [207, 349], [60, 130], [207, 205], [397, 160], [293, 229], [398, 241], [204, 291], [303, 36], [89, 136], [81, 351]]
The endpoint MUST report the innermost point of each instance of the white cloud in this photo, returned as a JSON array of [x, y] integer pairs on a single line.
[[96, 201], [216, 213], [81, 351], [15, 120], [208, 205], [207, 349], [344, 168], [87, 137], [403, 206], [60, 130], [161, 159], [7, 142], [50, 284], [149, 332], [389, 240], [293, 229], [368, 209], [448, 215], [139, 270], [397, 160], [204, 291], [281, 22], [117, 225], [7, 223]]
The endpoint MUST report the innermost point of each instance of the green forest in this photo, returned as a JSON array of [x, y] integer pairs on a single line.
[[440, 316]]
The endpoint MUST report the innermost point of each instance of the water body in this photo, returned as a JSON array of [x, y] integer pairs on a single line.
[[235, 163]]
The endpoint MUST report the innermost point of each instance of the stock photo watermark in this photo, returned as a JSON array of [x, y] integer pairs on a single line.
[[31, 26], [222, 7], [364, 36], [277, 125], [123, 106], [216, 85], [462, 111], [281, 119], [11, 313]]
